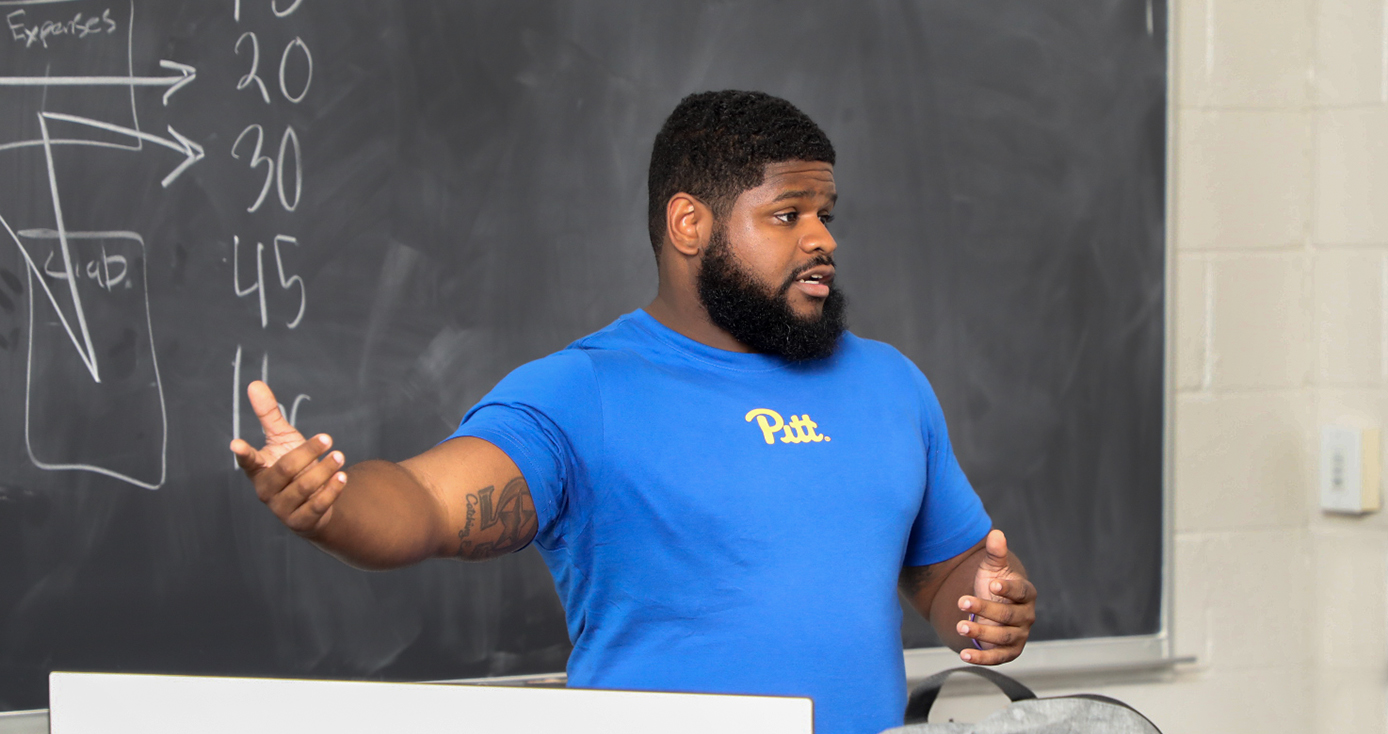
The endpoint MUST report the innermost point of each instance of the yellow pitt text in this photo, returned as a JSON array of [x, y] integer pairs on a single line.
[[800, 429]]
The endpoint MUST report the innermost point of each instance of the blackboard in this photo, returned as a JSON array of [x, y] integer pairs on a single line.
[[386, 206]]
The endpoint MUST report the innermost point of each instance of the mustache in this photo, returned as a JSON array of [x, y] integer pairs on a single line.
[[818, 261]]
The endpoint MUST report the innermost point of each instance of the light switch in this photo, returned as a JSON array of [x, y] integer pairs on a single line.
[[1349, 469]]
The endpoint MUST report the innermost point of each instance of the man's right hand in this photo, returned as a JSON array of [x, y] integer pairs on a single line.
[[463, 498], [288, 473]]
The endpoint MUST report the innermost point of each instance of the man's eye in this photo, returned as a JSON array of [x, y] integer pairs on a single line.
[[789, 217], [826, 218]]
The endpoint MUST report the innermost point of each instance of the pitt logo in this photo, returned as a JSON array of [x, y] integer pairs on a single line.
[[799, 430]]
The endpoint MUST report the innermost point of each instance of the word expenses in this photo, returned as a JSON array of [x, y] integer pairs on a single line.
[[78, 27]]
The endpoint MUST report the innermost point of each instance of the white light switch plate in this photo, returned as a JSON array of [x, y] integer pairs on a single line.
[[1349, 469]]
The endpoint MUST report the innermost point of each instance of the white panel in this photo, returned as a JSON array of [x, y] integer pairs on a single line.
[[85, 703]]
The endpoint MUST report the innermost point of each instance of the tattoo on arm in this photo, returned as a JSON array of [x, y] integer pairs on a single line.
[[914, 578], [514, 511], [471, 514]]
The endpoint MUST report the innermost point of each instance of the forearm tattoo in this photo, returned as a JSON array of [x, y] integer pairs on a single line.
[[513, 511], [914, 578]]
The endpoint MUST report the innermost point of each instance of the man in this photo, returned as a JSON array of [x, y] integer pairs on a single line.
[[727, 486]]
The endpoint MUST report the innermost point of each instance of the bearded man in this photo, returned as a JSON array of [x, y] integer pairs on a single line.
[[728, 487]]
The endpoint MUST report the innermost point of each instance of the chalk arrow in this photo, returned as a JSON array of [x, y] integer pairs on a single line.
[[191, 149], [186, 74], [181, 144]]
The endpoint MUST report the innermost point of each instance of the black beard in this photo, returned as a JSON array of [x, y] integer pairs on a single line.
[[763, 321]]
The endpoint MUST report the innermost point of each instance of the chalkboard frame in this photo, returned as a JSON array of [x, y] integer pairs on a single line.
[[1150, 647]]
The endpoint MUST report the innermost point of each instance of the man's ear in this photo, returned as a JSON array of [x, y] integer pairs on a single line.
[[688, 224]]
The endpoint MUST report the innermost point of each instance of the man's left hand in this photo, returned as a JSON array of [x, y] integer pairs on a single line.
[[1003, 606]]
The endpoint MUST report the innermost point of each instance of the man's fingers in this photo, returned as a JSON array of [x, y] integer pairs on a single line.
[[994, 656], [1018, 591], [994, 644], [992, 634], [271, 482], [267, 409], [313, 514], [1003, 613], [246, 456], [297, 487], [289, 478], [296, 460], [1003, 610]]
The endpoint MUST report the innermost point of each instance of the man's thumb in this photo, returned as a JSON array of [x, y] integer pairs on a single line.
[[995, 545], [267, 409]]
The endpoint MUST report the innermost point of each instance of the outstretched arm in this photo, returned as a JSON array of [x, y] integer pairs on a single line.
[[980, 595], [462, 498]]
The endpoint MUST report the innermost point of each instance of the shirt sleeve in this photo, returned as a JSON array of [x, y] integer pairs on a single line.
[[544, 416], [951, 518]]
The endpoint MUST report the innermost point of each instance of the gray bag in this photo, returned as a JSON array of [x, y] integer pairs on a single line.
[[1027, 714]]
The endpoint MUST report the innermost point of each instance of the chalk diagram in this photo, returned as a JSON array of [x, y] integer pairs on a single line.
[[91, 364]]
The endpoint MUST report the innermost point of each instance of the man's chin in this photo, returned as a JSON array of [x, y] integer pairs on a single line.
[[808, 313], [790, 324]]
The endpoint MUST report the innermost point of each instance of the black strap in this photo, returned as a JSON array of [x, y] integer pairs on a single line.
[[918, 707]]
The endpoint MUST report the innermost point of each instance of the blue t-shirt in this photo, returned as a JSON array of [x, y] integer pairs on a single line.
[[733, 523]]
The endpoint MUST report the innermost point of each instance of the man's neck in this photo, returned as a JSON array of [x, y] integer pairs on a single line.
[[683, 313]]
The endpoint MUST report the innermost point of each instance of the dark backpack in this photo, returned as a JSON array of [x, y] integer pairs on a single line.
[[1027, 714]]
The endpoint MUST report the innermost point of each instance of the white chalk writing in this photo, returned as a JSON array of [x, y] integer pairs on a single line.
[[285, 173], [41, 32]]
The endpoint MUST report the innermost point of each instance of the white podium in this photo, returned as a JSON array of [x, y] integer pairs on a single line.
[[100, 703]]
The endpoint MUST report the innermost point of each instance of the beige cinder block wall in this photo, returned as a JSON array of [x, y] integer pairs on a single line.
[[1280, 285]]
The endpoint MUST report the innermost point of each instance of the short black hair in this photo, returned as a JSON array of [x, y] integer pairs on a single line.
[[716, 145]]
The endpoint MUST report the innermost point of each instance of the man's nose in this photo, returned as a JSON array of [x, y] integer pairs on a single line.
[[819, 240]]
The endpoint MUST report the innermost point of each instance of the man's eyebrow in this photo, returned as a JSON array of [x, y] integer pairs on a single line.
[[804, 194]]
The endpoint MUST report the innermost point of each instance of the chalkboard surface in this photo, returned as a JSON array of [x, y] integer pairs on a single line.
[[383, 207]]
